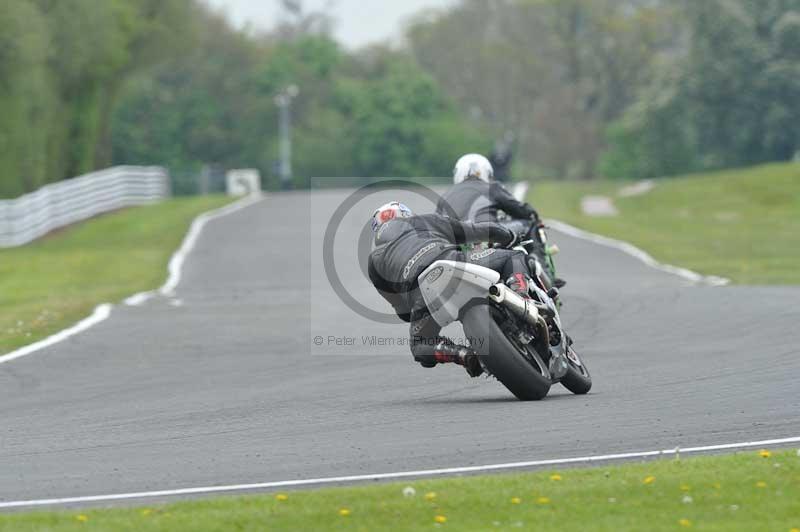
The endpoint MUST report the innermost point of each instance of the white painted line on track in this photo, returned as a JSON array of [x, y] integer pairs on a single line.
[[103, 311], [179, 257], [521, 189], [399, 475], [139, 299]]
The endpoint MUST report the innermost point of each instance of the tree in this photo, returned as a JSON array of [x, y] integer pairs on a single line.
[[26, 100], [62, 64], [201, 107], [555, 72], [732, 100], [402, 125], [358, 115]]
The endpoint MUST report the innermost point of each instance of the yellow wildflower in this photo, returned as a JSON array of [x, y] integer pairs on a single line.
[[649, 480], [146, 512], [763, 453], [684, 522], [515, 500], [543, 500], [430, 496], [344, 512], [761, 484], [555, 477], [685, 487], [440, 519], [281, 497], [82, 518]]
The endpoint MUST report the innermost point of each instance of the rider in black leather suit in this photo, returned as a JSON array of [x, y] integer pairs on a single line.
[[406, 246], [479, 201], [476, 197]]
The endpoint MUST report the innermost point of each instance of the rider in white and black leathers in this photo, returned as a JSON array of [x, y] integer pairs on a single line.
[[405, 245], [477, 197]]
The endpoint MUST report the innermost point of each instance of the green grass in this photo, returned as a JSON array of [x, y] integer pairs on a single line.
[[54, 282], [741, 224], [745, 492]]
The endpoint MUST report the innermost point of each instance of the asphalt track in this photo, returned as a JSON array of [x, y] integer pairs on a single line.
[[224, 384]]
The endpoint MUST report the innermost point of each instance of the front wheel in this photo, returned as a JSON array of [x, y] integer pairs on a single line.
[[519, 367], [577, 379]]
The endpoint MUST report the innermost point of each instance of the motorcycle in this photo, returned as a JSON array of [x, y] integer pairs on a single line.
[[539, 251], [519, 341]]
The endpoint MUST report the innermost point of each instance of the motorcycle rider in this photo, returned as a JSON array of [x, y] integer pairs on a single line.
[[406, 244], [477, 197]]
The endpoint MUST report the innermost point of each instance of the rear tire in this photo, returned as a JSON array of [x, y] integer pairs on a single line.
[[502, 357], [577, 380]]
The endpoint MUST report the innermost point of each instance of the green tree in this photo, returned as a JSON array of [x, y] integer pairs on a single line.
[[359, 115], [26, 99], [62, 64], [554, 72], [732, 100], [402, 125], [201, 107]]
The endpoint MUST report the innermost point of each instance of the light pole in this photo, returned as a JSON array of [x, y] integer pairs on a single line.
[[284, 102]]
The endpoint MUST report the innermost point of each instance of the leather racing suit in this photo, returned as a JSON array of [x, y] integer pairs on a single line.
[[405, 247], [479, 201]]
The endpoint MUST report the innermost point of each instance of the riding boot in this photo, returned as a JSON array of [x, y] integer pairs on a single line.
[[448, 353]]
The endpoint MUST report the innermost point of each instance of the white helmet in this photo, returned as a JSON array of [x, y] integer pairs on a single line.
[[387, 212], [473, 166]]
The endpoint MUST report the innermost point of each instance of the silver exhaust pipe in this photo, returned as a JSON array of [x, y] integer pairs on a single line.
[[518, 305]]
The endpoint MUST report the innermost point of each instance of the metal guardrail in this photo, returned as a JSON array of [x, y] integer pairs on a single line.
[[59, 204]]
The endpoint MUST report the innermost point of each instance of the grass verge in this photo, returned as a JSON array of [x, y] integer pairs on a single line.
[[54, 282], [749, 491], [741, 224]]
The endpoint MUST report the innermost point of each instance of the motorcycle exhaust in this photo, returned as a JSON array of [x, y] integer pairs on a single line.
[[518, 305]]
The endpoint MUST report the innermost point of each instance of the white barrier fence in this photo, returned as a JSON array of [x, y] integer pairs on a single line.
[[59, 204]]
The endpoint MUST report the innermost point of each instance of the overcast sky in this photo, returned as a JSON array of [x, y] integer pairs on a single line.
[[358, 22]]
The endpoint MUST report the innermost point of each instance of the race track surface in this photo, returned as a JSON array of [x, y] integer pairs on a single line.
[[225, 385]]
